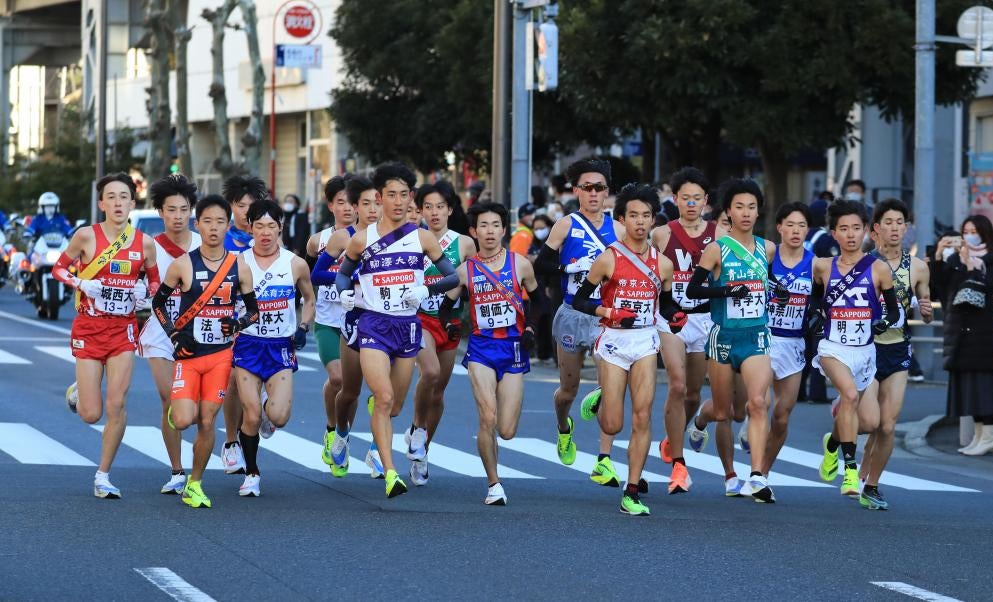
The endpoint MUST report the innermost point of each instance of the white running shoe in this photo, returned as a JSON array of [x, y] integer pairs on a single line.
[[732, 487], [72, 397], [175, 485], [419, 472], [250, 486], [495, 496], [416, 443], [233, 459], [375, 464], [266, 427], [761, 492], [743, 437], [698, 438], [102, 488]]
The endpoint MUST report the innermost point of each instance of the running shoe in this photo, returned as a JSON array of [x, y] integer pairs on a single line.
[[394, 484], [495, 496], [72, 397], [233, 459], [373, 461], [591, 404], [194, 497], [266, 427], [416, 442], [339, 455], [328, 444], [250, 486], [873, 500], [419, 472], [743, 437], [566, 446], [175, 485], [679, 480], [603, 474], [761, 492], [850, 486], [370, 404], [698, 438], [829, 464], [103, 488], [631, 504], [733, 487], [665, 451]]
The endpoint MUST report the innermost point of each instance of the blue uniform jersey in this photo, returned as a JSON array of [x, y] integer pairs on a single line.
[[789, 320], [583, 240], [237, 240]]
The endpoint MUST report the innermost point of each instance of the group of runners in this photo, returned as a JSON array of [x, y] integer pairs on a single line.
[[230, 307]]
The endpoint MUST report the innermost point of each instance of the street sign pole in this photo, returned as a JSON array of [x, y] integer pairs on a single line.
[[924, 125], [520, 129], [500, 142]]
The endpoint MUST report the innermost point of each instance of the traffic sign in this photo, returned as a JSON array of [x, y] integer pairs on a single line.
[[303, 56], [299, 21], [971, 58], [976, 25]]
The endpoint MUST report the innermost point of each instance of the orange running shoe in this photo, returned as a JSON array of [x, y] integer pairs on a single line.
[[665, 451], [679, 481]]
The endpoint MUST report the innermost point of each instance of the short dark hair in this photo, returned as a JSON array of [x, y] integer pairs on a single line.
[[236, 187], [121, 177], [480, 208], [841, 208], [688, 175], [213, 200], [785, 210], [983, 227], [260, 209], [355, 186], [590, 165], [856, 182], [890, 204], [172, 185], [335, 185], [736, 186], [636, 192], [440, 187], [393, 171]]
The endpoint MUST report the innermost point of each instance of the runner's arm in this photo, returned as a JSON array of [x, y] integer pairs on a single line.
[[343, 282], [547, 264], [75, 249], [449, 278], [536, 304], [602, 269], [322, 275], [922, 288], [309, 307], [151, 264]]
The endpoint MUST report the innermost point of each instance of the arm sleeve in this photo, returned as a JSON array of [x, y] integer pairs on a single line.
[[154, 280], [445, 311], [892, 306], [321, 275], [817, 297], [668, 306], [696, 290], [344, 280], [61, 270], [251, 308], [581, 301], [547, 264], [449, 278], [159, 308], [535, 307]]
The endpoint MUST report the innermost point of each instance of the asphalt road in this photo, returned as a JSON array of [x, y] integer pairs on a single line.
[[561, 537]]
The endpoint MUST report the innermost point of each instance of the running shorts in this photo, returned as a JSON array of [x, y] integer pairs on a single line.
[[153, 342], [574, 330], [328, 343], [432, 326], [623, 347], [397, 336], [203, 378], [861, 360], [103, 338], [350, 328], [694, 333], [788, 356], [264, 357], [503, 356], [735, 345], [892, 358]]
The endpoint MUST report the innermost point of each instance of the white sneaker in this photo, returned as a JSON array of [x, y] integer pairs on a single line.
[[266, 427], [233, 459], [698, 438], [416, 442], [419, 472], [102, 488], [761, 492], [495, 496], [743, 437], [375, 464], [250, 486], [175, 485], [732, 487], [72, 397]]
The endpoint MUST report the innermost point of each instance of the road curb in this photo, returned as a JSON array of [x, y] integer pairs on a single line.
[[915, 439]]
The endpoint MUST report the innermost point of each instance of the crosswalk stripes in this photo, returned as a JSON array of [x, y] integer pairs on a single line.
[[148, 441], [60, 351], [28, 445], [584, 463], [10, 358], [305, 452], [454, 460]]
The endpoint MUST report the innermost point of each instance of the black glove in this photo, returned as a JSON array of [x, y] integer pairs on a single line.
[[782, 295], [183, 344], [815, 324], [230, 326], [300, 338], [453, 330], [880, 326], [737, 291], [527, 339]]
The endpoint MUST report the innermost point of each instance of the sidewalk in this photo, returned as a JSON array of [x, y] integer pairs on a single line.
[[944, 437]]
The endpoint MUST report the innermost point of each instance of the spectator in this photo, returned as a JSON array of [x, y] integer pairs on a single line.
[[296, 226], [668, 202], [554, 211], [962, 273], [523, 236], [855, 191]]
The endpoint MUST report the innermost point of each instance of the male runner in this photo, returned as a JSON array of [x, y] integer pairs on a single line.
[[911, 281], [240, 192], [208, 279], [104, 332], [329, 314], [573, 244], [362, 197], [682, 242], [737, 266], [502, 333], [635, 282], [846, 355], [173, 197], [391, 277], [435, 360]]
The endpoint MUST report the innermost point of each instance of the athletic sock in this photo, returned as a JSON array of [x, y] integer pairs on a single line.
[[731, 475], [250, 445], [230, 444], [832, 444], [631, 490], [176, 473], [848, 452], [870, 488], [600, 457], [678, 460], [329, 428], [565, 432], [755, 473], [101, 476]]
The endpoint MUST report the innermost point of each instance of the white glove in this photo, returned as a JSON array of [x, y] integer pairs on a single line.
[[142, 303], [140, 291], [347, 300], [412, 298], [91, 288], [583, 264]]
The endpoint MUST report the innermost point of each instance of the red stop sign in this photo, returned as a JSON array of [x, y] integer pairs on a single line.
[[299, 21]]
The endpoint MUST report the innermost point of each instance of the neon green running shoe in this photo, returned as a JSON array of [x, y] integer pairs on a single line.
[[829, 464], [394, 484], [591, 404], [194, 497], [326, 452], [370, 403], [632, 505], [850, 486], [566, 446], [603, 474]]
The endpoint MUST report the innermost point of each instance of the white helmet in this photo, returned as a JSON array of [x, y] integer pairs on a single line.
[[48, 199]]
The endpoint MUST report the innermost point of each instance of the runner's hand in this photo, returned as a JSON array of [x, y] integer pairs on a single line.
[[91, 288], [300, 338], [142, 303], [626, 317], [782, 294], [347, 300], [527, 339], [453, 331], [677, 322], [230, 326], [412, 298], [879, 327], [140, 290], [815, 324], [583, 264], [737, 291], [183, 343]]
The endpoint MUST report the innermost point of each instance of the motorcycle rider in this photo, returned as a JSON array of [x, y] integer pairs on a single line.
[[48, 218]]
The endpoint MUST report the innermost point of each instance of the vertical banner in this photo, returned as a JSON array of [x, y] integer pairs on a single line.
[[981, 184]]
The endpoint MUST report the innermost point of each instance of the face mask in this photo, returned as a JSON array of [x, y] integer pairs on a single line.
[[947, 252], [541, 233], [668, 199], [555, 214], [973, 240], [49, 211], [853, 196], [289, 207]]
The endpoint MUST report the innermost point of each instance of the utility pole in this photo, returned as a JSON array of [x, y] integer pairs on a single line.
[[101, 97], [924, 124], [500, 143], [520, 131]]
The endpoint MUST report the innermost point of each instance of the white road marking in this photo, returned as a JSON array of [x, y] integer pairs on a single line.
[[452, 459], [30, 446], [10, 358], [585, 462], [304, 452], [36, 323], [148, 441], [173, 585], [914, 592], [35, 339], [62, 352]]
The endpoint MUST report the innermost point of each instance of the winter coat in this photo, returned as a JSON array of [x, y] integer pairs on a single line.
[[968, 332]]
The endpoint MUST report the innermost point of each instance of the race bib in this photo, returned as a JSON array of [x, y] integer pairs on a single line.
[[115, 301], [680, 281], [172, 306], [208, 331], [644, 309], [576, 280], [328, 294], [851, 325], [392, 286], [433, 303], [495, 314], [752, 306]]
